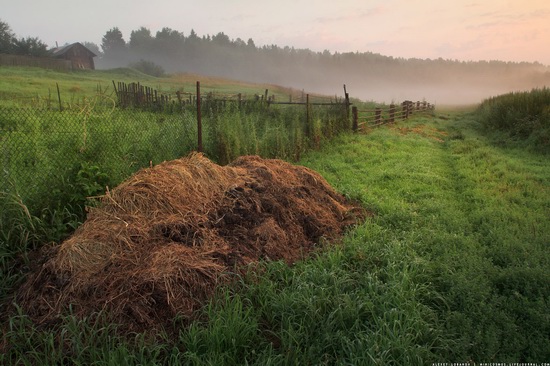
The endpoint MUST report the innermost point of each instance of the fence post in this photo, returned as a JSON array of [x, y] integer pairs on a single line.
[[59, 97], [392, 113], [405, 113], [199, 118], [346, 95], [309, 129], [355, 113], [377, 115]]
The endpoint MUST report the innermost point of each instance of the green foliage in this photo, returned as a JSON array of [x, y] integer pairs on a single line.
[[113, 42], [148, 68], [30, 46], [524, 115], [7, 38], [89, 341], [269, 131]]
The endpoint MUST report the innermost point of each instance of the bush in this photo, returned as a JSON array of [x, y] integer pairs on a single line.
[[524, 115], [149, 68]]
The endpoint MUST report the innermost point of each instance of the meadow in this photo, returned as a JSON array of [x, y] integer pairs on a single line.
[[452, 267], [36, 87]]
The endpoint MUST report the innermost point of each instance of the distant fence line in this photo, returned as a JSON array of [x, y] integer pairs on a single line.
[[32, 61], [366, 118], [144, 97], [136, 95]]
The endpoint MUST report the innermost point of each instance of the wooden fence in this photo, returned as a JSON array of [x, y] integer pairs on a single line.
[[44, 62], [144, 97], [366, 118], [136, 95]]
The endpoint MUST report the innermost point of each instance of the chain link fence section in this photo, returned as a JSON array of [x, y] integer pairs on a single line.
[[40, 150], [48, 155]]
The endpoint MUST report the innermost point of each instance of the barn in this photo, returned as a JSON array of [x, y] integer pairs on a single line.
[[78, 54]]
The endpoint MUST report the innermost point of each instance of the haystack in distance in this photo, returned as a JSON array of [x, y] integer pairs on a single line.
[[160, 242]]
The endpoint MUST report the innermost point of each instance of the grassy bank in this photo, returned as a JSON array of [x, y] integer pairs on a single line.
[[452, 267], [523, 116]]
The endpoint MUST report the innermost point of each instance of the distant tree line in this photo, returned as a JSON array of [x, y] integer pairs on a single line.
[[10, 44], [170, 51], [219, 55]]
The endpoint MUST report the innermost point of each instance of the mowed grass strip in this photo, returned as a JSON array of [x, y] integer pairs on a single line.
[[452, 267], [474, 218]]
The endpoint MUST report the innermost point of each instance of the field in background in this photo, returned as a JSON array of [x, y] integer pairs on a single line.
[[24, 86]]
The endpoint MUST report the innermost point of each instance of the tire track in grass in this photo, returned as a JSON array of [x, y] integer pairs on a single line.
[[446, 220], [491, 316]]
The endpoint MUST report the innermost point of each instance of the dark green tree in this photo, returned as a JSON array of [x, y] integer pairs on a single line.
[[30, 46], [141, 40], [221, 39], [7, 38], [113, 42], [169, 38]]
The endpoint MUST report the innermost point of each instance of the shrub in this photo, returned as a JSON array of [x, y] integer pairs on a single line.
[[524, 115], [149, 68]]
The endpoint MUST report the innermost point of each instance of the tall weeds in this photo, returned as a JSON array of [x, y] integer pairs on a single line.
[[524, 115]]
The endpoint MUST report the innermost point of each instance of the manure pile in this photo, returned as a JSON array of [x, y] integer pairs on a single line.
[[160, 242]]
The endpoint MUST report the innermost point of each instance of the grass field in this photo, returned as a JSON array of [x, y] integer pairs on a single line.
[[24, 86], [452, 267]]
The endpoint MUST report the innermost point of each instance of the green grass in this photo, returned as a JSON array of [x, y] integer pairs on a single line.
[[521, 115], [477, 217], [27, 86], [452, 267]]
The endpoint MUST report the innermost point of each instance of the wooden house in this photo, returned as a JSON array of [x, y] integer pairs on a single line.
[[80, 56]]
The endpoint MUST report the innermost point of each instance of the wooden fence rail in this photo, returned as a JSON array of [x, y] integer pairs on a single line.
[[140, 96], [135, 95], [366, 118]]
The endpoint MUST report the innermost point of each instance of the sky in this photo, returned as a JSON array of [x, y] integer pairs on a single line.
[[465, 30]]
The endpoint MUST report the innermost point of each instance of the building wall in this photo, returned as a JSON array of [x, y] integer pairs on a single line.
[[80, 57]]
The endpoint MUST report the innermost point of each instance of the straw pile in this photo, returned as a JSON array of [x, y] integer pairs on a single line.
[[160, 243]]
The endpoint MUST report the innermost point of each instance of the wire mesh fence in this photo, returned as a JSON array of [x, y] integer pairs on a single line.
[[41, 149], [48, 156]]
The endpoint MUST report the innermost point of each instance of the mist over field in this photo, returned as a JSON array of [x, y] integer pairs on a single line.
[[367, 75]]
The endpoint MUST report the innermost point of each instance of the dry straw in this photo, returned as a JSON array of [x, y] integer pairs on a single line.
[[160, 242]]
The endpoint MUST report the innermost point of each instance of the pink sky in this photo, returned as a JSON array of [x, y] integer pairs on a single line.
[[460, 29]]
